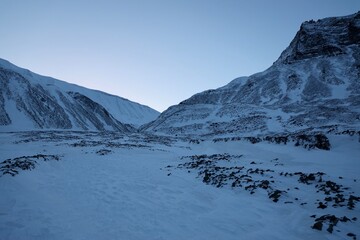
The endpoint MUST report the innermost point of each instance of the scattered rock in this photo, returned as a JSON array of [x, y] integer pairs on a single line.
[[351, 201], [351, 235], [321, 205], [309, 140], [275, 195], [212, 171], [12, 166], [318, 226], [330, 229], [103, 152]]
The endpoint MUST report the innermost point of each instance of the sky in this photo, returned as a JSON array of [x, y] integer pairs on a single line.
[[155, 52]]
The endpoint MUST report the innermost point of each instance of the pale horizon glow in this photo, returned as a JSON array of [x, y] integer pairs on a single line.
[[157, 53]]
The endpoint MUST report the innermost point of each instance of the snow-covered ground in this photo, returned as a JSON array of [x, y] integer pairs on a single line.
[[109, 186]]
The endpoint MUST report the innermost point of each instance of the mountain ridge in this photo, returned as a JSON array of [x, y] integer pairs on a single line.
[[314, 84], [111, 112]]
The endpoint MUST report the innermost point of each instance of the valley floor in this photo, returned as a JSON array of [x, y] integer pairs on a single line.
[[105, 186]]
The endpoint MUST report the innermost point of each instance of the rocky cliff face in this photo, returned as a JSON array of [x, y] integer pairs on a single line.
[[29, 101], [325, 37], [313, 85]]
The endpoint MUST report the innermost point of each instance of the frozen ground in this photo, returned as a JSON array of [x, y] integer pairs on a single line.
[[108, 186]]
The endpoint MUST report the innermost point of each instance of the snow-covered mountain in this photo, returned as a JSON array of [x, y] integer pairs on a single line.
[[113, 185], [29, 101], [315, 84]]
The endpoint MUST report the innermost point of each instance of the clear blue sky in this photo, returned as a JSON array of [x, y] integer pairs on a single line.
[[155, 52]]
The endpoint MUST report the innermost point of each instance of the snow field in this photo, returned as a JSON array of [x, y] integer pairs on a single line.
[[130, 194]]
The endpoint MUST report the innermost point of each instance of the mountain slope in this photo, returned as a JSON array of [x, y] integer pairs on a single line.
[[29, 101], [314, 84]]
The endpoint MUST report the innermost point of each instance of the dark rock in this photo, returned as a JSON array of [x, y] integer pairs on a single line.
[[344, 219], [275, 195], [318, 226], [328, 199], [12, 166], [305, 178], [103, 152], [352, 200], [207, 176], [321, 205], [330, 229], [264, 184], [351, 235]]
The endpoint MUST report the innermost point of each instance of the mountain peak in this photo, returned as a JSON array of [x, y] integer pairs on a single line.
[[313, 85], [324, 37]]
